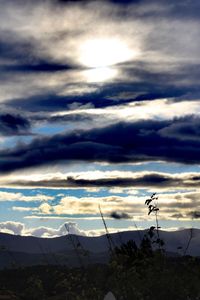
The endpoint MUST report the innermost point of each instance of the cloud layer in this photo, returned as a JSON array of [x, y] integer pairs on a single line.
[[169, 141], [99, 98]]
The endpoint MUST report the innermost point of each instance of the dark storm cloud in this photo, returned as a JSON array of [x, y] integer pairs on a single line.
[[194, 214], [177, 216], [183, 10], [148, 86], [14, 48], [38, 66], [23, 56], [156, 180], [148, 79], [123, 2], [13, 124], [151, 74], [118, 215], [142, 181], [107, 97], [119, 143], [52, 102], [187, 129]]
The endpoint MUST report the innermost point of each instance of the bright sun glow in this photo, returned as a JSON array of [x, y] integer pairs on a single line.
[[99, 74], [100, 55]]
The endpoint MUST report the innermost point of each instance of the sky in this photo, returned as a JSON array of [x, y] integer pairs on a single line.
[[99, 105]]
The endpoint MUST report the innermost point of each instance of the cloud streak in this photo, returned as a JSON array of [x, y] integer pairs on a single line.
[[110, 180], [170, 141]]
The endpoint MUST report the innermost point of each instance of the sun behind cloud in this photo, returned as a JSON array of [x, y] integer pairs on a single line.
[[100, 74], [100, 55]]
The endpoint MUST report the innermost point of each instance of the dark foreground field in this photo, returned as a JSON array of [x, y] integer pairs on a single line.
[[130, 276]]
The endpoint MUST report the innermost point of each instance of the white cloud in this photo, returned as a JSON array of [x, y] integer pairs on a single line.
[[18, 228], [45, 208], [58, 180], [12, 227], [7, 196], [23, 209], [173, 206]]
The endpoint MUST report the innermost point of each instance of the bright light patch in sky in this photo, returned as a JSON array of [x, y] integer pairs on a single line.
[[104, 52], [100, 55], [100, 74]]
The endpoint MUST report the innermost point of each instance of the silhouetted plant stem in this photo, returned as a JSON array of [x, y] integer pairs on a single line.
[[157, 229], [189, 241], [109, 239], [153, 208]]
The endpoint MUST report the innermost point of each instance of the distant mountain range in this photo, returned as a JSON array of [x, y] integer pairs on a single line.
[[73, 250]]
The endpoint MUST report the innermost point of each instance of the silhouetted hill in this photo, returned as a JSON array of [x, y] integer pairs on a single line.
[[28, 250]]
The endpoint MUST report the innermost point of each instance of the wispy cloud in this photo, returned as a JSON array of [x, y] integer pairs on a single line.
[[108, 179], [14, 196]]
